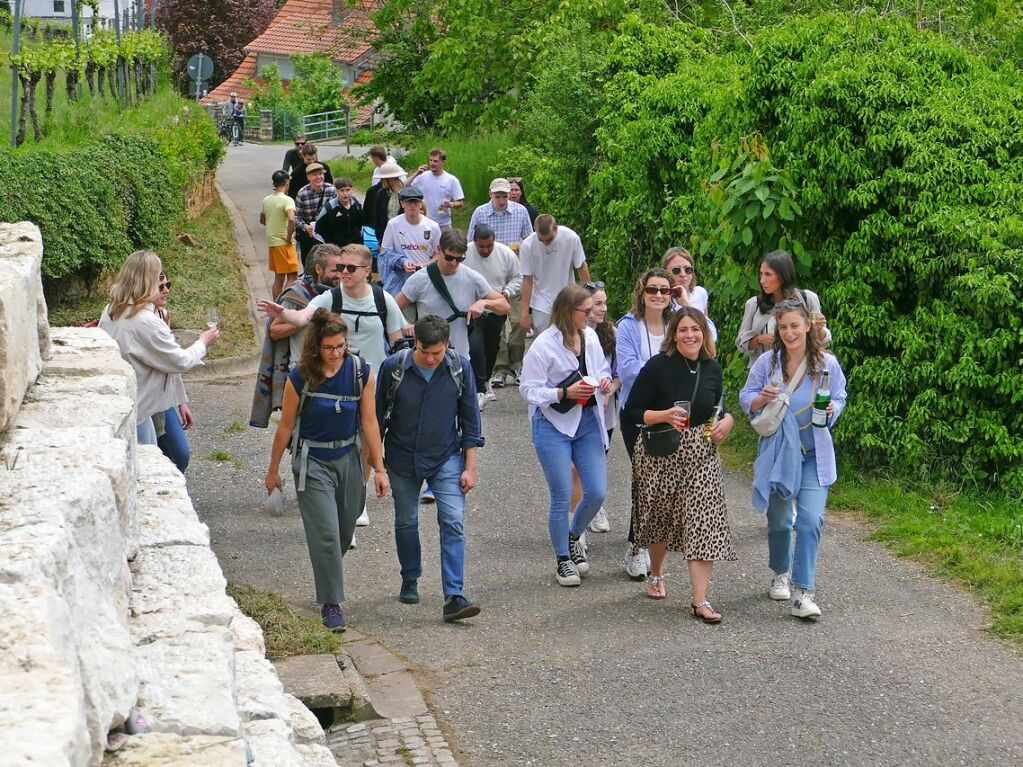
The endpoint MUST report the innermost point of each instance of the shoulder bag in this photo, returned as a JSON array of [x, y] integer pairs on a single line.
[[663, 439], [766, 422]]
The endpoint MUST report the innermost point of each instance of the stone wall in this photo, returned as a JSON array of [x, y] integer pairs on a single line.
[[110, 597]]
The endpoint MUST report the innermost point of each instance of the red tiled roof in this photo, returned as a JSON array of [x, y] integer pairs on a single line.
[[306, 26], [236, 82]]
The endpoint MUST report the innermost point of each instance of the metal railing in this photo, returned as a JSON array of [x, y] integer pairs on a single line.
[[324, 125]]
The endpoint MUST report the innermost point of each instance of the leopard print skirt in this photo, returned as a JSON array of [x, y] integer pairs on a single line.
[[679, 500]]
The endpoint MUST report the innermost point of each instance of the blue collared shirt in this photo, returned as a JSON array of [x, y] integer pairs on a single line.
[[429, 421]]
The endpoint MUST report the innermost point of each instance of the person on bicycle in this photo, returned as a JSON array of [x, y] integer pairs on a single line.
[[238, 129]]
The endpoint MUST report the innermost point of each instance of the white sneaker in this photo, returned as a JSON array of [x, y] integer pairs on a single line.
[[489, 395], [496, 381], [481, 400], [803, 605], [567, 574], [363, 519], [577, 553], [352, 545], [635, 561], [780, 587], [600, 523]]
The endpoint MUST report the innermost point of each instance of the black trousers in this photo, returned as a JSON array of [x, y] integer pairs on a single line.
[[484, 342]]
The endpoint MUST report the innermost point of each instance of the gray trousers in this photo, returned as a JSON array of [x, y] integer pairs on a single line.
[[334, 495]]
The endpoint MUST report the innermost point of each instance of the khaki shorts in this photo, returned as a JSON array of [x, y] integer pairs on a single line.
[[283, 259]]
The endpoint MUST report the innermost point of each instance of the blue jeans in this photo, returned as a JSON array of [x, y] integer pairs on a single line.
[[173, 442], [806, 515], [557, 454], [447, 490]]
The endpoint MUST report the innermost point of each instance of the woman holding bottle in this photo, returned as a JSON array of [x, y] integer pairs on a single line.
[[678, 494], [641, 333], [795, 465], [777, 284]]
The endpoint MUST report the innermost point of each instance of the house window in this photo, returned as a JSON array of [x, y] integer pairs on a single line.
[[58, 6]]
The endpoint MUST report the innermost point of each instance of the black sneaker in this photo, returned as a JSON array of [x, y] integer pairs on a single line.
[[577, 553], [458, 607], [333, 618], [409, 593], [566, 574]]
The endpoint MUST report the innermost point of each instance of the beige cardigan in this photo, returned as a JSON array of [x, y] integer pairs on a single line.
[[147, 344]]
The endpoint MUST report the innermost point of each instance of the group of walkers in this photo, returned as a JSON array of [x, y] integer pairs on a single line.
[[385, 380]]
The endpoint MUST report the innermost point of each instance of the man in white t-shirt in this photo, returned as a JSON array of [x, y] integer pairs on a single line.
[[378, 156], [468, 290], [410, 242], [442, 191], [548, 258]]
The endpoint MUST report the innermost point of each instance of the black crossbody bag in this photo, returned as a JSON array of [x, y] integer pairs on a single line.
[[663, 439]]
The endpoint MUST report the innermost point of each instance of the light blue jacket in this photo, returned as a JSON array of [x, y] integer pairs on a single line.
[[633, 351], [824, 448], [779, 465]]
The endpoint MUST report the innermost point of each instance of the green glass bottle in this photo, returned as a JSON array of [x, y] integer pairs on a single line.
[[821, 401]]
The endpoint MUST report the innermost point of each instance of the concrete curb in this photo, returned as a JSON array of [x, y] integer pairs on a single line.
[[390, 689]]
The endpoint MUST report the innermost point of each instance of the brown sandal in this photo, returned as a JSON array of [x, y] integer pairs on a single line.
[[714, 617], [655, 587]]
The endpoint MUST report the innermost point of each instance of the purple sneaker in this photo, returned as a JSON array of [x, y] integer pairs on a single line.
[[333, 618]]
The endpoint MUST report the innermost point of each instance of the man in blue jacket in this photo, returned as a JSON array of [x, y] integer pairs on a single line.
[[430, 423]]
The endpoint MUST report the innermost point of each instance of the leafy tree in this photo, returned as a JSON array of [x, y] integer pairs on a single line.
[[218, 28], [316, 84]]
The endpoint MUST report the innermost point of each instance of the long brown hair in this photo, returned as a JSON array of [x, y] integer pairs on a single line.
[[670, 348], [814, 346], [323, 325], [639, 304], [569, 299], [137, 284]]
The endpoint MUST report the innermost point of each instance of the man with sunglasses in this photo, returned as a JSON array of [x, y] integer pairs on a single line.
[[459, 294], [549, 259], [293, 157]]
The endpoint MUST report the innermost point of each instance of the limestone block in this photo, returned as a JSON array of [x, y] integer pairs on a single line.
[[188, 683], [69, 402], [270, 743], [85, 352], [315, 680], [42, 704], [181, 580], [247, 634], [304, 724], [61, 530], [161, 625], [313, 755], [168, 519], [49, 451], [161, 749], [259, 694], [21, 358]]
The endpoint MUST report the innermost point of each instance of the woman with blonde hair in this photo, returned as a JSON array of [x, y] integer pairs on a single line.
[[566, 381], [133, 320], [679, 263], [329, 400], [678, 497]]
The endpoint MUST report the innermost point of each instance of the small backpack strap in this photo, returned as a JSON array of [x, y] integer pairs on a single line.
[[397, 373]]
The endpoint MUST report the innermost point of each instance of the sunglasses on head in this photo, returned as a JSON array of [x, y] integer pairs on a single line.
[[681, 269], [459, 259], [789, 303], [350, 268], [593, 287], [650, 290]]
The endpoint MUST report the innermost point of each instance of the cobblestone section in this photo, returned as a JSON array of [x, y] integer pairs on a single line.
[[391, 742]]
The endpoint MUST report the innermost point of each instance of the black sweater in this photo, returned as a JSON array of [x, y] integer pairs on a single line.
[[665, 380], [341, 226]]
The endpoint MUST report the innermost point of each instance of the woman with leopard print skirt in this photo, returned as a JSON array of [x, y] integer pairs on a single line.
[[678, 500]]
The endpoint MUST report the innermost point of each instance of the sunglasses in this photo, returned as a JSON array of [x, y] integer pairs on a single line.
[[165, 285], [459, 259], [350, 268], [299, 143], [681, 269], [333, 349], [790, 303], [587, 312], [594, 286], [650, 290]]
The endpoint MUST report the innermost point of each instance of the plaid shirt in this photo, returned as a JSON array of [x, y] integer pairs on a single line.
[[309, 203], [511, 225]]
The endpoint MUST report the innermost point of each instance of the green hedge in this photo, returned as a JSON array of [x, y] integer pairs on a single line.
[[98, 201], [906, 155]]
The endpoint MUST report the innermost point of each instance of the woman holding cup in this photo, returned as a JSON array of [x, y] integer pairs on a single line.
[[678, 499], [566, 382]]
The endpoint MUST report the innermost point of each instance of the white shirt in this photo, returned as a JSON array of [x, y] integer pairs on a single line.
[[547, 363], [376, 171], [435, 190], [416, 242], [500, 268], [368, 339], [550, 266]]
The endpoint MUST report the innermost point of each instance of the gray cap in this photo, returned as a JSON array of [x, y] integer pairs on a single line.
[[410, 193]]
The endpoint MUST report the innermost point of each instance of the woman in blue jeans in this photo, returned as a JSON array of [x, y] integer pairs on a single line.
[[566, 381], [796, 465]]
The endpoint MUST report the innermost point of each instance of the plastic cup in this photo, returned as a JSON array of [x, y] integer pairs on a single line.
[[592, 382], [683, 405]]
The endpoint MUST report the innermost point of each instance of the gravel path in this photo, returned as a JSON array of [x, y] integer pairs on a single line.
[[898, 671]]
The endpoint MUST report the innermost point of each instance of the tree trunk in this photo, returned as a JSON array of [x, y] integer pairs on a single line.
[[112, 82], [140, 86], [90, 74], [71, 84], [33, 82], [101, 76], [51, 84], [20, 138], [152, 78]]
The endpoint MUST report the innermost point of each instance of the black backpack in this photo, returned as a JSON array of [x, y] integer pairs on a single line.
[[337, 306]]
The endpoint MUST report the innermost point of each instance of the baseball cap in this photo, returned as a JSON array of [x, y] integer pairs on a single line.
[[500, 185], [390, 170], [312, 168], [410, 193]]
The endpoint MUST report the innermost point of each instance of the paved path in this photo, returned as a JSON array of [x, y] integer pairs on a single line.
[[898, 671]]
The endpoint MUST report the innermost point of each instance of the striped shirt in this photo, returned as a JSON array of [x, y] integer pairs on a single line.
[[510, 225]]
